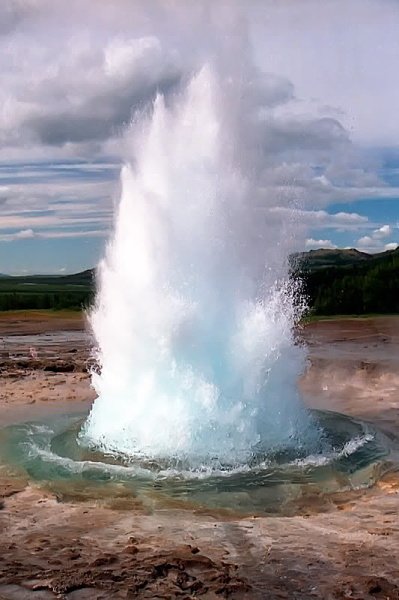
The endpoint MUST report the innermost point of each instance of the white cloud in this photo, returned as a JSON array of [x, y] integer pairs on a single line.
[[374, 241], [340, 53], [51, 234], [57, 195], [28, 221], [366, 241], [382, 232], [79, 86], [312, 244], [24, 234], [73, 234], [391, 246], [322, 219]]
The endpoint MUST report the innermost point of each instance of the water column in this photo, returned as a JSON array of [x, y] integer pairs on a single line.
[[194, 310]]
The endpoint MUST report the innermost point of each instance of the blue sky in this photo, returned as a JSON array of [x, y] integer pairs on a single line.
[[63, 218], [381, 211], [329, 92]]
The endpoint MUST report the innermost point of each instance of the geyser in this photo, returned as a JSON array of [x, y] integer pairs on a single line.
[[194, 312]]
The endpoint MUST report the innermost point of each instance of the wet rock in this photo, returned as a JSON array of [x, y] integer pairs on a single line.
[[105, 559], [61, 367], [23, 364], [131, 549], [379, 587]]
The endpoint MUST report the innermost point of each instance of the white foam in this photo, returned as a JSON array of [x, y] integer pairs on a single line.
[[349, 448]]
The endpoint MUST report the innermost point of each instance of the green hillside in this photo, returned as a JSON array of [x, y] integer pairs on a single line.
[[334, 282], [349, 282], [319, 259], [46, 291]]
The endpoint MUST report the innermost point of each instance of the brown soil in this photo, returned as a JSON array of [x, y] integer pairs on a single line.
[[27, 322], [62, 544]]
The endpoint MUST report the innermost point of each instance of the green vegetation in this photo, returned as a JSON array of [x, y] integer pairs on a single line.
[[72, 292], [335, 282], [348, 282]]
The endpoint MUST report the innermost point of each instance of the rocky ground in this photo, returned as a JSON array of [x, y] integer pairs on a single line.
[[64, 544]]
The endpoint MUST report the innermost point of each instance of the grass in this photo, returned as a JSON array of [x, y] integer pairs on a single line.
[[38, 293]]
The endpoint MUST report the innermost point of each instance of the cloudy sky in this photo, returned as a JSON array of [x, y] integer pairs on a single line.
[[75, 73]]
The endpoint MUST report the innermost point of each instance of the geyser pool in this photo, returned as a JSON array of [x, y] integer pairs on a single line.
[[284, 481]]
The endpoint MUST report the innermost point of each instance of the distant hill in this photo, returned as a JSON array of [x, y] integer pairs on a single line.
[[349, 281], [322, 258], [47, 291], [82, 278], [334, 282], [319, 259]]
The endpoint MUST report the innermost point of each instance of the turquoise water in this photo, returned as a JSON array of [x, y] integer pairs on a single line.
[[353, 455]]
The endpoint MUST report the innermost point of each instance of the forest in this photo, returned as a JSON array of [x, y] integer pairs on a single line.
[[334, 282], [73, 292], [348, 282]]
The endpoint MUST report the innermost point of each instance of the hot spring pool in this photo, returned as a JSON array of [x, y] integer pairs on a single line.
[[353, 455]]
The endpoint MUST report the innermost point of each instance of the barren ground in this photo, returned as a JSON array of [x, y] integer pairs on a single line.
[[56, 545]]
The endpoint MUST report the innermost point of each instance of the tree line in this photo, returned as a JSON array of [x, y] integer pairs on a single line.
[[59, 300], [361, 288], [336, 282]]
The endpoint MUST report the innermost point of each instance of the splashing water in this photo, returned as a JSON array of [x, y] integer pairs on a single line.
[[194, 312]]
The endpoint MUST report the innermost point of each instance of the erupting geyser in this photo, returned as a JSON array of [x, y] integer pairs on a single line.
[[194, 316], [194, 313]]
